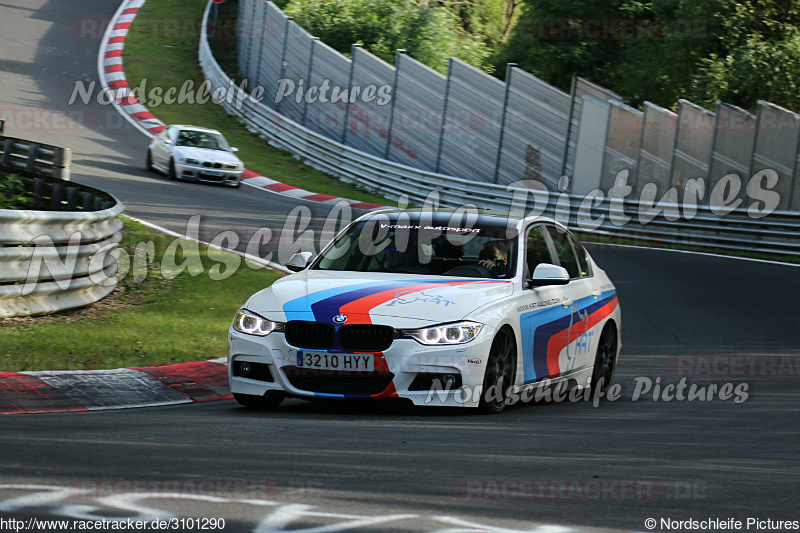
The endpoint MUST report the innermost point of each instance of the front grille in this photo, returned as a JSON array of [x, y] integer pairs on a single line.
[[209, 164], [205, 177], [309, 335], [365, 338], [336, 382]]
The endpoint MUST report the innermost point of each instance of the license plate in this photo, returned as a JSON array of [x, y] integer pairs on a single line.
[[336, 361], [214, 173]]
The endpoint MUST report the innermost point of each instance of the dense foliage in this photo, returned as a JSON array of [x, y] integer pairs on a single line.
[[704, 50], [430, 33], [12, 192]]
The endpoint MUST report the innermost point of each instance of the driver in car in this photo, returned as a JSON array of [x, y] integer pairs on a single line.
[[494, 258]]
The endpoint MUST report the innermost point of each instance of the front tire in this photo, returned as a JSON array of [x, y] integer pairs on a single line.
[[270, 400], [149, 161], [501, 369], [171, 174], [605, 361]]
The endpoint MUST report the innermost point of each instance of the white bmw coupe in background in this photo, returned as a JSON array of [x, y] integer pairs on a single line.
[[196, 154], [426, 307]]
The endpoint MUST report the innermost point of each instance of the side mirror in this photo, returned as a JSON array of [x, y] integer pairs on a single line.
[[299, 261], [234, 149], [167, 141], [547, 274]]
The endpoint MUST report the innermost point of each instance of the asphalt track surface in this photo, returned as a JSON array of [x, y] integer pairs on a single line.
[[394, 468]]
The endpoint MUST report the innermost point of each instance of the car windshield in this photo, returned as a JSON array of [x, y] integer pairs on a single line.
[[382, 246], [201, 139]]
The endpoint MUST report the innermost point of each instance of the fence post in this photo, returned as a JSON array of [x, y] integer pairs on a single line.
[[397, 54], [283, 55], [503, 122], [635, 183], [250, 39], [314, 41], [793, 183], [569, 123], [261, 46], [349, 90], [681, 105], [444, 113]]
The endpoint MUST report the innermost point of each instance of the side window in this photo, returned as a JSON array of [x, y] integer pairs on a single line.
[[583, 261], [536, 250], [564, 252]]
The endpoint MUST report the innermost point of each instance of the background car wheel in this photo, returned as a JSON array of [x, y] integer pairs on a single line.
[[500, 371], [605, 360], [149, 161], [270, 400], [171, 170]]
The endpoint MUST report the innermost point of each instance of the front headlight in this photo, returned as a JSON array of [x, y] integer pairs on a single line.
[[252, 324], [456, 333], [190, 161], [232, 166]]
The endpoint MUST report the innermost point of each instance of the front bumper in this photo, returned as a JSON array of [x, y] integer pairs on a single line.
[[208, 174], [396, 370]]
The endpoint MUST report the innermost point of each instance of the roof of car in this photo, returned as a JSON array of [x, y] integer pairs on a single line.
[[195, 128], [444, 216]]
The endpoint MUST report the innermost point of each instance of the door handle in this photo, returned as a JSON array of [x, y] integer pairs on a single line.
[[596, 293], [567, 302]]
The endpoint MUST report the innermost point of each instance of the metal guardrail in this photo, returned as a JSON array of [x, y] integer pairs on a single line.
[[34, 159], [62, 258], [779, 232]]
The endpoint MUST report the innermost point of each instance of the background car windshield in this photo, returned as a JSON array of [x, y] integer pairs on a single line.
[[479, 252], [201, 139]]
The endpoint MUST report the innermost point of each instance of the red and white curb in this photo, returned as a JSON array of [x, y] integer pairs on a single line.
[[120, 388], [112, 76]]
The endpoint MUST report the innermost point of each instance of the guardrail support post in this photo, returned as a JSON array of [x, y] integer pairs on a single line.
[[397, 54], [33, 153], [503, 121], [444, 113]]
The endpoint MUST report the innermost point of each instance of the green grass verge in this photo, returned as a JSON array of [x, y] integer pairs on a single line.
[[162, 48], [160, 319]]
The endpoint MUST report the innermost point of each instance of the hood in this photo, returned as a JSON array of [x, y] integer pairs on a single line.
[[205, 154], [365, 298]]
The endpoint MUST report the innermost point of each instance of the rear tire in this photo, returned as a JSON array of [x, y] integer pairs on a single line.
[[270, 400], [605, 361], [501, 369]]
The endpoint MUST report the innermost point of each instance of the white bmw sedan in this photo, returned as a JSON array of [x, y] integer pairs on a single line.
[[196, 154], [431, 309]]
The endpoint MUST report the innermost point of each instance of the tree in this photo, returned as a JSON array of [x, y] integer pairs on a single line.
[[430, 34], [758, 56]]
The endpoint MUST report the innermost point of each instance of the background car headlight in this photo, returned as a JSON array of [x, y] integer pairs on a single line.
[[252, 324], [190, 161], [456, 333]]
